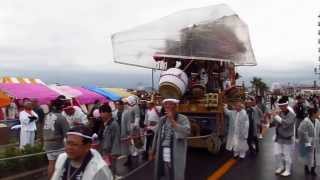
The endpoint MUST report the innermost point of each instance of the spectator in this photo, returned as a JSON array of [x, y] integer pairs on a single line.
[[54, 131], [12, 111], [39, 111], [28, 120]]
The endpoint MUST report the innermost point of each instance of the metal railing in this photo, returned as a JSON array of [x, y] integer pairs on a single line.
[[123, 140]]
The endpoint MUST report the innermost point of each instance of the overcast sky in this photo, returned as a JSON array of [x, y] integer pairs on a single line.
[[75, 35]]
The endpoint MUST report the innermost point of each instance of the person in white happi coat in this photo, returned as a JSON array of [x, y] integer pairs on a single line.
[[152, 119], [28, 129], [283, 121], [80, 162], [130, 128], [237, 131], [75, 116], [309, 133], [170, 146], [125, 133]]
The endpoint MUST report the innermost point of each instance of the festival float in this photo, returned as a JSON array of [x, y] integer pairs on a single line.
[[197, 52]]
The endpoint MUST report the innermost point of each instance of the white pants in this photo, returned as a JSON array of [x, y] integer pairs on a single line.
[[240, 154], [26, 137], [240, 147], [283, 154]]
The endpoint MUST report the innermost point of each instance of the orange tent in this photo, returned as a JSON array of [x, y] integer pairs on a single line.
[[5, 100]]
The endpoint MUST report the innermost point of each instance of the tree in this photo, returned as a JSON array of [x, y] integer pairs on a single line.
[[259, 86]]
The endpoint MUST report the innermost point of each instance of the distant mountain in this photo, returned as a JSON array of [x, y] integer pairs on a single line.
[[300, 74], [142, 78]]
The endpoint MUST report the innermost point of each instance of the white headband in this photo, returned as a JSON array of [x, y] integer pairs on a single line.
[[283, 104], [176, 101], [79, 134]]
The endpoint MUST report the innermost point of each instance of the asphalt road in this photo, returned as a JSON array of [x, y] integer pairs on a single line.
[[201, 164]]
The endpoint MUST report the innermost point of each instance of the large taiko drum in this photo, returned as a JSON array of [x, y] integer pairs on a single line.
[[173, 83]]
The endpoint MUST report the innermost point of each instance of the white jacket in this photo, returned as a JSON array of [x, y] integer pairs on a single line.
[[96, 169], [152, 116], [26, 125], [78, 117], [237, 131]]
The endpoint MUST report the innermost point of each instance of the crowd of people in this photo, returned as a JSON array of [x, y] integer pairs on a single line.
[[76, 142], [88, 146], [297, 129]]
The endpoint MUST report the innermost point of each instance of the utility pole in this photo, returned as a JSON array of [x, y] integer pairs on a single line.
[[152, 71], [317, 68]]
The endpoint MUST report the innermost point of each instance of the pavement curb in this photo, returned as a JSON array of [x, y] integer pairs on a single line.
[[34, 174]]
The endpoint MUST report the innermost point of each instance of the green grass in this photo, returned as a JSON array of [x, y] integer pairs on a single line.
[[9, 167]]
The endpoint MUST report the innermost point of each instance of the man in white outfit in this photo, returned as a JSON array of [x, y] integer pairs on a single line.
[[237, 131], [75, 116], [283, 121], [28, 120]]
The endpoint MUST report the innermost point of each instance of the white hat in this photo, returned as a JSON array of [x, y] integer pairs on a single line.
[[176, 101], [283, 101], [283, 104], [132, 100]]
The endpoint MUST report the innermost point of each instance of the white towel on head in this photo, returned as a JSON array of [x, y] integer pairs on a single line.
[[176, 101], [132, 100]]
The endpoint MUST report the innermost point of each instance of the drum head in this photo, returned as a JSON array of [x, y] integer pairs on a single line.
[[169, 90]]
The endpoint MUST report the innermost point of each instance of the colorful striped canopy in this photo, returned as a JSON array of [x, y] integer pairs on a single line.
[[20, 80], [119, 91], [67, 91], [32, 91], [108, 94], [89, 97]]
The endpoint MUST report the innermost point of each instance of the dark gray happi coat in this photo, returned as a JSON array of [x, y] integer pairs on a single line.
[[179, 149]]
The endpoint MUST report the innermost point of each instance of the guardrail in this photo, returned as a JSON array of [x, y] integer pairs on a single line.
[[123, 140]]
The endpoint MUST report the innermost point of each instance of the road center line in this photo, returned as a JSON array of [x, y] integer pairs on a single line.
[[223, 169]]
